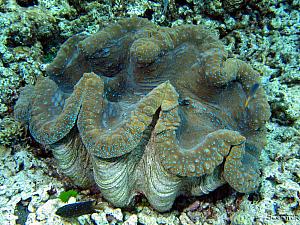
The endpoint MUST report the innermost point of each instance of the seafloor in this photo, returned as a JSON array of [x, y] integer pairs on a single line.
[[263, 33]]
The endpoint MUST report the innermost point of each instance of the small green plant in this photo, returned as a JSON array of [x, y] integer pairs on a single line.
[[66, 195]]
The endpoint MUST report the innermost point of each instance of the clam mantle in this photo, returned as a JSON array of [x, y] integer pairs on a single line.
[[138, 108]]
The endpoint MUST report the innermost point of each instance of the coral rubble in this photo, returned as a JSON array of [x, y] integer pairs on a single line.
[[137, 108]]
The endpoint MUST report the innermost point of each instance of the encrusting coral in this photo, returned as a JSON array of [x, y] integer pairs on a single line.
[[138, 108]]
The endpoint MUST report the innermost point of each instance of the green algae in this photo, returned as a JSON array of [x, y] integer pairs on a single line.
[[66, 195]]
